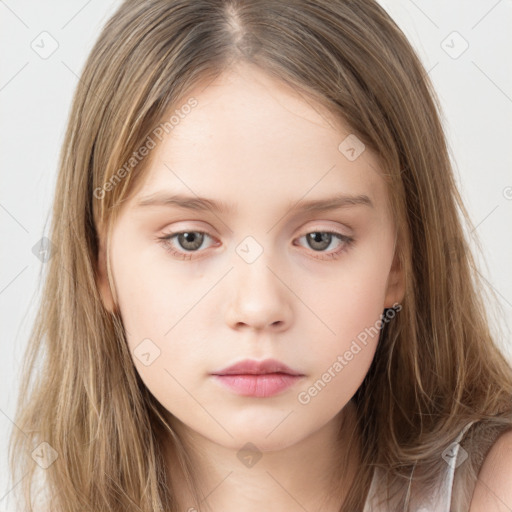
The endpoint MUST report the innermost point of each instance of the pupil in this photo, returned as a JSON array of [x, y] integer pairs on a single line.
[[321, 238], [190, 241]]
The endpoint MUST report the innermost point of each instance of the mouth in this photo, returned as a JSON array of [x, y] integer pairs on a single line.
[[258, 378], [254, 367], [258, 385]]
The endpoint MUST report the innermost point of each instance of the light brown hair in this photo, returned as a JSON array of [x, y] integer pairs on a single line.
[[437, 366]]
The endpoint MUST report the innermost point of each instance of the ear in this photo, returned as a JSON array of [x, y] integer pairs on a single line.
[[395, 287], [102, 276]]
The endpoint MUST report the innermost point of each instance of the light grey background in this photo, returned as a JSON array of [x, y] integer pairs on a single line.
[[475, 89]]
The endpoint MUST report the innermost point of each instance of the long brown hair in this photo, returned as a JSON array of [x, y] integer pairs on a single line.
[[436, 366]]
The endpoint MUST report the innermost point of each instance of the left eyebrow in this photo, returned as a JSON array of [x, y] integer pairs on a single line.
[[204, 203], [333, 203]]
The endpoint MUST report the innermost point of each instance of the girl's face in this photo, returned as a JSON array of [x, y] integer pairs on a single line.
[[259, 275]]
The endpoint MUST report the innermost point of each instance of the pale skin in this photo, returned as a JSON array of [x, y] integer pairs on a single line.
[[493, 489], [256, 144]]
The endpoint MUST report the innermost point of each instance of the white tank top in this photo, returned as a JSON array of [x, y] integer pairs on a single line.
[[434, 502]]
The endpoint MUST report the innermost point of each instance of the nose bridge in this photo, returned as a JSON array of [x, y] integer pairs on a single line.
[[258, 296], [252, 263]]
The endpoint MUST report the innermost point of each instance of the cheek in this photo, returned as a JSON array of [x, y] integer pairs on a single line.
[[339, 362], [350, 300], [350, 306], [158, 311], [153, 296]]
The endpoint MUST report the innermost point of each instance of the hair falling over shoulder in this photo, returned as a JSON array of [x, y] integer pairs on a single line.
[[437, 366]]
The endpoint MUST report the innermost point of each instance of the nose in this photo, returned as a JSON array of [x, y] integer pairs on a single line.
[[258, 299]]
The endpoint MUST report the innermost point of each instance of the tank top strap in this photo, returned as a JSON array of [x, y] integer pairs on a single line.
[[454, 455]]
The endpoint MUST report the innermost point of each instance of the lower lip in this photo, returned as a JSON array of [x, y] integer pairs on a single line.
[[263, 385]]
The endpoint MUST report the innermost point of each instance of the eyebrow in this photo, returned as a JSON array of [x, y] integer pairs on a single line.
[[204, 203]]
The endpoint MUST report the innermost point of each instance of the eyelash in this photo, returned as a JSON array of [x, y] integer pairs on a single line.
[[165, 241]]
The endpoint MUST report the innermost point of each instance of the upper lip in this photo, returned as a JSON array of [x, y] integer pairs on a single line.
[[254, 367]]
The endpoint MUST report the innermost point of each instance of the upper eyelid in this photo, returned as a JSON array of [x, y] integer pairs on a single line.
[[304, 232], [174, 234]]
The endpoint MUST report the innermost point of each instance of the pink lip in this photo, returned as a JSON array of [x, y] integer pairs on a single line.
[[258, 378]]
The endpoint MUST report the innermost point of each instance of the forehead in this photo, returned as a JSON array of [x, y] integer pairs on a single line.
[[251, 136]]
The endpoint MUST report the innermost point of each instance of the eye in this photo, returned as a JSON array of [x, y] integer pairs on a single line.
[[189, 241], [321, 240]]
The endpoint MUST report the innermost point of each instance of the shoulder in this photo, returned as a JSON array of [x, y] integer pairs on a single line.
[[493, 489]]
